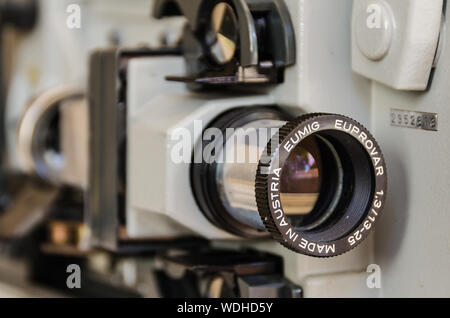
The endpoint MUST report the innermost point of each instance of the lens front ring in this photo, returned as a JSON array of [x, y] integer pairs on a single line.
[[365, 188]]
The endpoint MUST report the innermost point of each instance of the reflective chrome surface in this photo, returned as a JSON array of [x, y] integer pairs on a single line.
[[223, 33], [52, 137], [236, 176]]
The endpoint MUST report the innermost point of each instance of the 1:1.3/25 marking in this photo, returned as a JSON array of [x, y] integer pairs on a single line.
[[371, 218]]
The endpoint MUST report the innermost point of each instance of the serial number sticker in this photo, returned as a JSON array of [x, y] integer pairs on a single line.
[[412, 119]]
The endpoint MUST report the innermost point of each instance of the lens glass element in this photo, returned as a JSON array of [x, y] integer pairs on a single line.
[[311, 183], [301, 178]]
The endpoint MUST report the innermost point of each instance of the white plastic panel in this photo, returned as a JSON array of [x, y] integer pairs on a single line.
[[394, 42]]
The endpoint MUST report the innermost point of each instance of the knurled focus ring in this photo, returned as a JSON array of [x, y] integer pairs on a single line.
[[356, 214]]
